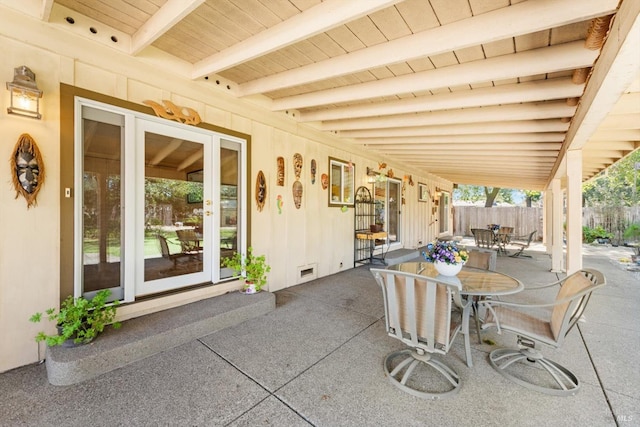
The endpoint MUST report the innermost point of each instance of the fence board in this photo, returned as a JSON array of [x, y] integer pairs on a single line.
[[523, 220]]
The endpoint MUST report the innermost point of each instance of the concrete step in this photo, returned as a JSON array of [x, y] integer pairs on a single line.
[[401, 255], [145, 336]]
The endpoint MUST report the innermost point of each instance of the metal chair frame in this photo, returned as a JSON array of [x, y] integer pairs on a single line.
[[569, 309]]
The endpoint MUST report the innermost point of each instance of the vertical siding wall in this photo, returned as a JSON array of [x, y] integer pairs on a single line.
[[524, 220]]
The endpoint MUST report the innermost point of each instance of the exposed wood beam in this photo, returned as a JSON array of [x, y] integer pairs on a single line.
[[554, 147], [165, 151], [318, 19], [597, 154], [620, 121], [191, 160], [534, 111], [613, 145], [516, 126], [616, 135], [521, 18], [45, 11], [560, 57], [537, 90], [172, 12], [438, 153], [512, 138]]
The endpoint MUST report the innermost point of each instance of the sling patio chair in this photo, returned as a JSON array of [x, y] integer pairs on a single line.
[[530, 327], [484, 259], [522, 242], [484, 237], [418, 312]]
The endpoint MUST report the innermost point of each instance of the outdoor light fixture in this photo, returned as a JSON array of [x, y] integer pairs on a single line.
[[25, 95]]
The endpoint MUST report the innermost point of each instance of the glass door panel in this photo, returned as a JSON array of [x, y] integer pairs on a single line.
[[229, 204], [176, 243], [101, 243], [393, 221]]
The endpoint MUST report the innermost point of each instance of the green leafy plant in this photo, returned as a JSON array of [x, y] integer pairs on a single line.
[[591, 234], [254, 267], [632, 232], [79, 319]]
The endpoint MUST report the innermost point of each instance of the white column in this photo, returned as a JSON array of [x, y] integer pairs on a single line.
[[557, 235], [574, 211]]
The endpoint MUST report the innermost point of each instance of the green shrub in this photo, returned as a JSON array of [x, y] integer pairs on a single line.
[[591, 234]]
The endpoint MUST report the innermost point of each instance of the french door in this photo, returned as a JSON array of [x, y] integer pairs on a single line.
[[160, 203]]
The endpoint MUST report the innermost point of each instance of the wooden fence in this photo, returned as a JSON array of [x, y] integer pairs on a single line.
[[523, 220], [614, 219]]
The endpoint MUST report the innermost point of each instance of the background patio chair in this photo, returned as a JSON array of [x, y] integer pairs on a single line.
[[522, 243], [520, 319], [482, 258], [484, 237], [418, 313], [189, 241]]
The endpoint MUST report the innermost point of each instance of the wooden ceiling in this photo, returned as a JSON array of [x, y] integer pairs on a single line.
[[485, 92]]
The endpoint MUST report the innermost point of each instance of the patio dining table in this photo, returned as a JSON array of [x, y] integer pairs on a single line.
[[475, 283]]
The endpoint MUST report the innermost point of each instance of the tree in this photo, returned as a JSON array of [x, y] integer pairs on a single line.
[[615, 186], [532, 196]]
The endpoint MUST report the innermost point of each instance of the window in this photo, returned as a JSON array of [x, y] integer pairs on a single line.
[[444, 212], [341, 182]]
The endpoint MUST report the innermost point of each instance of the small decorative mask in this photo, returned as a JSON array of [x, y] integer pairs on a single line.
[[28, 169], [297, 194], [261, 190], [325, 181], [297, 165], [313, 171], [280, 181]]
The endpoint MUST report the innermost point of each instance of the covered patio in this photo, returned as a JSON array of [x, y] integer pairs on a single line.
[[317, 360]]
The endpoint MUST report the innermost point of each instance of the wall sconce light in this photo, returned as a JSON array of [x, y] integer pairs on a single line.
[[25, 95]]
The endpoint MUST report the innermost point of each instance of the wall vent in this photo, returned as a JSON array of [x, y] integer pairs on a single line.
[[307, 272]]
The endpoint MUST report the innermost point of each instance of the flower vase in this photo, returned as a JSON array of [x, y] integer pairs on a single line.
[[448, 269]]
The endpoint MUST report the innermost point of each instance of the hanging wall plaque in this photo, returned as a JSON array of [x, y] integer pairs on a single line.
[[297, 165], [280, 180], [27, 168], [313, 171], [297, 194], [261, 190]]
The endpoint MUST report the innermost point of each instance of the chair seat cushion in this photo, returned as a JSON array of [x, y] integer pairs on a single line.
[[517, 321]]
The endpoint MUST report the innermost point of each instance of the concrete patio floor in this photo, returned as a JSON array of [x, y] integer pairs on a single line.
[[317, 360]]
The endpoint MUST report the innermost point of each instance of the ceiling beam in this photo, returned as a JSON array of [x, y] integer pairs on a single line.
[[537, 90], [512, 138], [532, 111], [616, 135], [561, 57], [553, 147], [45, 10], [518, 19], [515, 126], [318, 19], [172, 12]]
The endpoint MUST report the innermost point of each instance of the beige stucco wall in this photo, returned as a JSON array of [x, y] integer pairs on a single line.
[[29, 249]]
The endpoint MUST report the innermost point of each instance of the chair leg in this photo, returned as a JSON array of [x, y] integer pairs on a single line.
[[504, 358], [410, 364]]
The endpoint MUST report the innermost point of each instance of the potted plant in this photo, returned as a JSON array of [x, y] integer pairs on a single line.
[[79, 320], [447, 257], [254, 267]]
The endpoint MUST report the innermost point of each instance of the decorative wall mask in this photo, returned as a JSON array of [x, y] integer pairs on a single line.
[[325, 181], [280, 180], [279, 203], [297, 194], [261, 190], [169, 110], [28, 169], [297, 165], [313, 171]]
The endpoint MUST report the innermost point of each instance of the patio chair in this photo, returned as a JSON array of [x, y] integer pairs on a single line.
[[482, 258], [522, 243], [189, 241], [166, 253], [418, 313], [518, 318], [503, 237], [484, 237]]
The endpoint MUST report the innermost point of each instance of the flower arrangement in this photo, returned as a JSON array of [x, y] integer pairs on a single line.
[[446, 252]]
